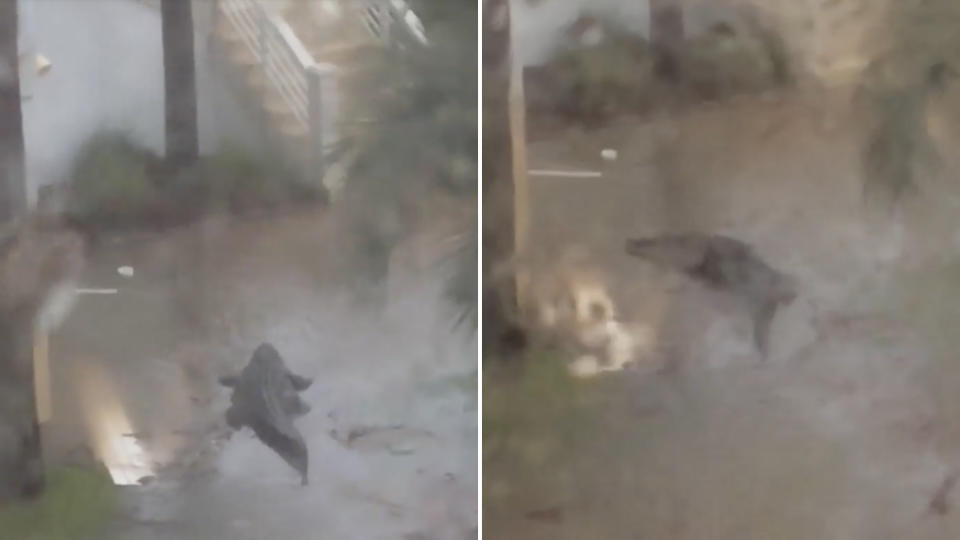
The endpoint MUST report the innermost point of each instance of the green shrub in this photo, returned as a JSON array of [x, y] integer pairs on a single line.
[[111, 181], [727, 61], [77, 504], [239, 180], [594, 83], [117, 183]]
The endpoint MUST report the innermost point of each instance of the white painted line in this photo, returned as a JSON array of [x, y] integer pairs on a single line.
[[565, 174], [97, 291]]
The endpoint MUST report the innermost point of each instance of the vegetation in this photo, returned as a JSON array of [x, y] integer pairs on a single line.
[[727, 61], [119, 183], [536, 418], [592, 84], [421, 138], [918, 56], [77, 504]]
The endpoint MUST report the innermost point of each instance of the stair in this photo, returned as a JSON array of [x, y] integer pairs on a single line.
[[340, 39]]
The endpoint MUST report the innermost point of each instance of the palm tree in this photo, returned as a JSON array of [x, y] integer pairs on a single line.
[[180, 83], [13, 198], [21, 464]]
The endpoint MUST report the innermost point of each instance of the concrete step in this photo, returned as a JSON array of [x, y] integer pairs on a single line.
[[295, 139], [241, 55], [317, 28], [277, 107]]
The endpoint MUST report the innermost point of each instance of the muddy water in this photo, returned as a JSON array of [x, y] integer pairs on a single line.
[[847, 432], [134, 373]]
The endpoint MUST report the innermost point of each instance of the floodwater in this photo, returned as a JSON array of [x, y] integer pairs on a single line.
[[849, 430], [392, 431]]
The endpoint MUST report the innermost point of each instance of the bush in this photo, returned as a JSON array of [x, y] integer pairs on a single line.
[[111, 181], [593, 83], [240, 181], [77, 504], [118, 184], [726, 61]]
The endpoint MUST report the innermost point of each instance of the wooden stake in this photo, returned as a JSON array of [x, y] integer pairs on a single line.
[[518, 143], [41, 377]]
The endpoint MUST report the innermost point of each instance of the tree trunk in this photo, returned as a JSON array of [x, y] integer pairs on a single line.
[[21, 456], [13, 193], [500, 331], [180, 83], [666, 34], [21, 464]]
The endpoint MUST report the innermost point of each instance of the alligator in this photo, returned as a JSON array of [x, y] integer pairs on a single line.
[[726, 264], [266, 399]]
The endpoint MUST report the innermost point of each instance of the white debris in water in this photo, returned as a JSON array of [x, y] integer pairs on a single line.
[[108, 425], [129, 463], [585, 366], [96, 291], [125, 271], [609, 154], [625, 343]]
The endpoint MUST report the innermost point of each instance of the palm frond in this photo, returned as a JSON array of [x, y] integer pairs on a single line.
[[919, 52], [412, 130]]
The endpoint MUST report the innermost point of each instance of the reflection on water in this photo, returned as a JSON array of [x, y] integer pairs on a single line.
[[108, 426]]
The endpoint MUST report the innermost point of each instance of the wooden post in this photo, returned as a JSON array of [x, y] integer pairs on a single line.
[[503, 186], [41, 377], [521, 186]]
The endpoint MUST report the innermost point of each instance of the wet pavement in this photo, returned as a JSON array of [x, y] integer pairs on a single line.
[[393, 431], [847, 431]]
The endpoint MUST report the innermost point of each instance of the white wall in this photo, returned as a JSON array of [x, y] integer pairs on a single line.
[[538, 29], [108, 73]]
